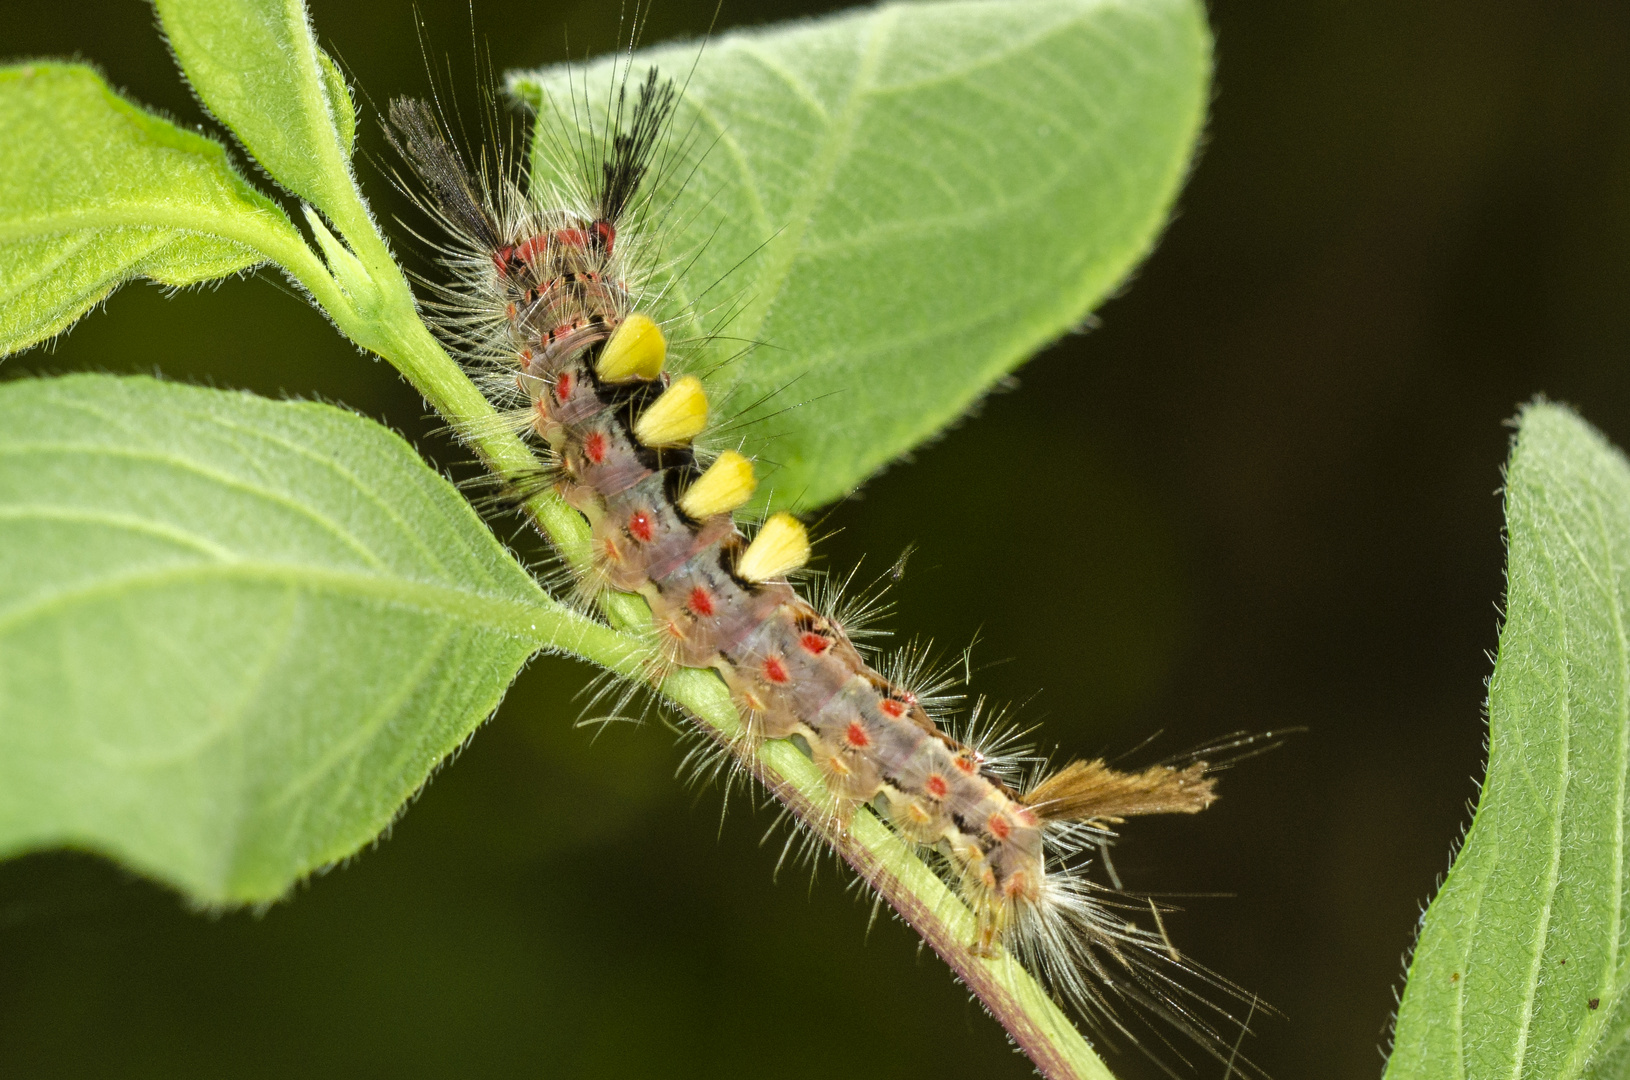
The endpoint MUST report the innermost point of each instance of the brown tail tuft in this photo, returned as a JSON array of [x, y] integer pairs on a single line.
[[1091, 790]]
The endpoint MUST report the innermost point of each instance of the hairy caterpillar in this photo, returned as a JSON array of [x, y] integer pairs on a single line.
[[555, 307]]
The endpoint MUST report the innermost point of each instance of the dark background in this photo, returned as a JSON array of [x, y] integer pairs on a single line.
[[1268, 497]]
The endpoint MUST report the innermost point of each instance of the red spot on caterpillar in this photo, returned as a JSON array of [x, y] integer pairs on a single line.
[[526, 356], [999, 826], [594, 447], [509, 309], [611, 552], [574, 237], [641, 527], [700, 603], [531, 247], [814, 643], [607, 234], [936, 786], [1017, 884], [856, 735], [775, 670], [1026, 817], [964, 763], [893, 708], [563, 386]]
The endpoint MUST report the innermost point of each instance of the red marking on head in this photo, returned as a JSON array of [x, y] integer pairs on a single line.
[[856, 735], [775, 670], [814, 643], [999, 826], [594, 447], [641, 526], [563, 385], [964, 763], [701, 602], [607, 234], [936, 786], [893, 708]]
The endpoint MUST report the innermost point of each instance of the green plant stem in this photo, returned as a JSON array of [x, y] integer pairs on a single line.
[[383, 317]]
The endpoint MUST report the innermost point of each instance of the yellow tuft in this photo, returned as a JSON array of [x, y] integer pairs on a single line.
[[675, 418], [636, 351], [727, 484], [780, 547]]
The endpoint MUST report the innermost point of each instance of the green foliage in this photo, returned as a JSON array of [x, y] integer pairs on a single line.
[[1522, 960], [913, 200], [258, 68], [235, 634], [94, 192]]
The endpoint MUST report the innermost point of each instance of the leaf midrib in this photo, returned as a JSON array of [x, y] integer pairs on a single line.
[[512, 617], [226, 480]]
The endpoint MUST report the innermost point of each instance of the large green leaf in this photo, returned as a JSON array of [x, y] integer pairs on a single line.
[[235, 634], [1524, 956], [94, 192], [257, 66], [902, 204]]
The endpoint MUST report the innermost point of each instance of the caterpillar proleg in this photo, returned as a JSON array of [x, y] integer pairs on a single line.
[[555, 307]]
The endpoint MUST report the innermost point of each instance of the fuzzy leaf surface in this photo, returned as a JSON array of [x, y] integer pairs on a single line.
[[256, 65], [235, 634], [94, 191], [1523, 960], [900, 204]]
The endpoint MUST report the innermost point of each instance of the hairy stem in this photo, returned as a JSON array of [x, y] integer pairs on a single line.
[[387, 322]]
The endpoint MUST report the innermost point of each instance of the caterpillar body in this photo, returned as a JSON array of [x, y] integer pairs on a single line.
[[552, 305]]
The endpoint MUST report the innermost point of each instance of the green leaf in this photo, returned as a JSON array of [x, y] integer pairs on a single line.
[[257, 67], [235, 634], [905, 203], [1524, 955], [340, 105], [94, 192]]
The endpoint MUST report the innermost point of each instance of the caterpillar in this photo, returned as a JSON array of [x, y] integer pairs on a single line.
[[553, 305]]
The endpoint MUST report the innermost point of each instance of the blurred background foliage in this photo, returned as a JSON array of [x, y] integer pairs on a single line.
[[1262, 493]]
